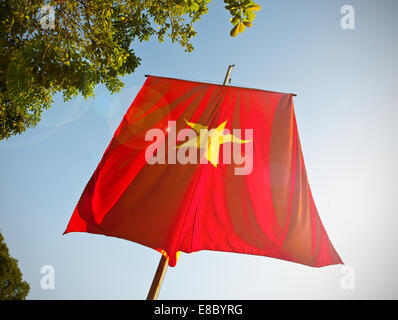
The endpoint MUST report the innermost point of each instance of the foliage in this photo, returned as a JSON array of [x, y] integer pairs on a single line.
[[243, 14], [11, 285], [87, 43]]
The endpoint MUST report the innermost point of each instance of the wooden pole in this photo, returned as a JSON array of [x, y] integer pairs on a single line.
[[162, 267], [228, 74], [158, 279]]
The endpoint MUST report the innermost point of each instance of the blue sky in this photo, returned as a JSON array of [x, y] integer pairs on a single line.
[[346, 109]]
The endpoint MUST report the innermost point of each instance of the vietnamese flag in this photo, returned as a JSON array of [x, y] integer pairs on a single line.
[[258, 204]]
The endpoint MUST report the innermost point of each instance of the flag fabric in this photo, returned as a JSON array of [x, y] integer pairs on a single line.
[[197, 166]]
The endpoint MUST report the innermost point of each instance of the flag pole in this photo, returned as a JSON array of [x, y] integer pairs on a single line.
[[158, 279], [162, 267], [228, 74]]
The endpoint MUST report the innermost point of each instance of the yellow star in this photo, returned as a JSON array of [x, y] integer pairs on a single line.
[[210, 140]]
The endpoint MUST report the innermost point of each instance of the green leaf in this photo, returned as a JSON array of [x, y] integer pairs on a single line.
[[254, 7], [241, 27], [235, 20], [250, 15], [234, 32], [195, 6]]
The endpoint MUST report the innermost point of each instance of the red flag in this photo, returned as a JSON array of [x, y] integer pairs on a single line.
[[196, 166]]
